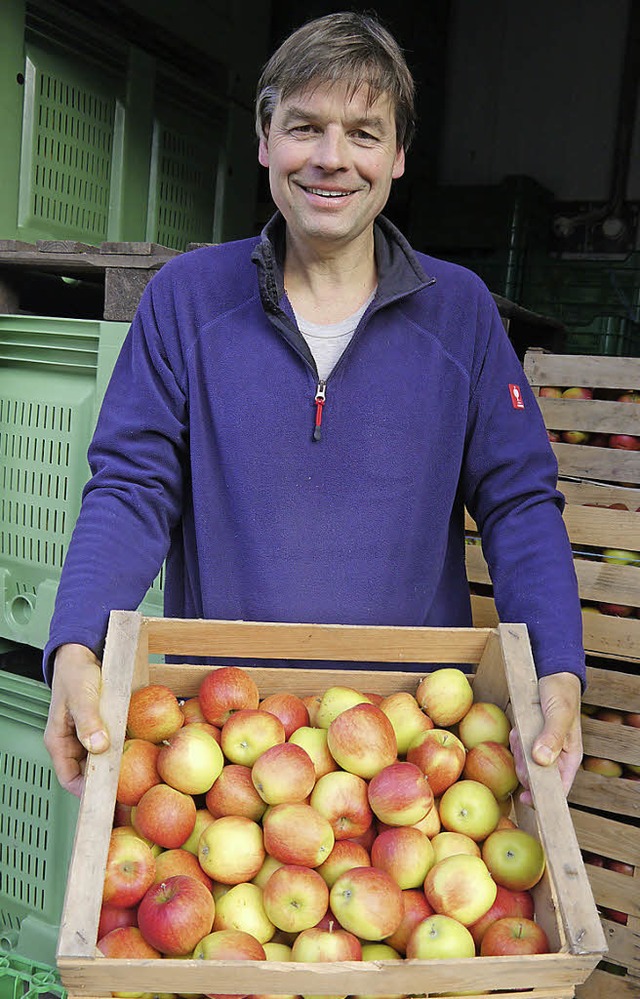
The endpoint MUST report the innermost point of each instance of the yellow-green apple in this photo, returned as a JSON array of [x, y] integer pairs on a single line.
[[228, 945], [575, 436], [408, 720], [206, 727], [404, 853], [248, 733], [514, 857], [445, 695], [400, 794], [514, 935], [231, 849], [380, 952], [225, 690], [295, 898], [577, 392], [430, 825], [190, 760], [620, 556], [176, 914], [297, 834], [599, 765], [440, 756], [289, 708], [507, 903], [484, 722], [447, 844], [277, 951], [492, 764], [469, 807], [440, 937], [334, 701], [242, 908], [460, 886], [126, 942], [362, 741], [551, 391], [333, 944], [130, 870], [415, 908], [112, 916], [342, 798], [283, 773], [180, 861], [269, 865], [204, 818], [312, 703], [138, 770], [154, 713], [233, 793], [367, 902], [345, 855], [165, 815], [314, 743]]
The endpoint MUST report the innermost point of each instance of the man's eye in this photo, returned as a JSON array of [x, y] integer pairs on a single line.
[[303, 129], [365, 136]]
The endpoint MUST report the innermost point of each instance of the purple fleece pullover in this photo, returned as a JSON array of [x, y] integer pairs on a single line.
[[204, 454]]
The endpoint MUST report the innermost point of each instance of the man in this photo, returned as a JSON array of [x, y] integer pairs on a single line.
[[298, 420]]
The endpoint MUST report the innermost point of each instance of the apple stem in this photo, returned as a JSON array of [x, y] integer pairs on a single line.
[[331, 926]]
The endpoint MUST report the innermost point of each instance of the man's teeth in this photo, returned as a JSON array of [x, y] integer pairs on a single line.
[[328, 194]]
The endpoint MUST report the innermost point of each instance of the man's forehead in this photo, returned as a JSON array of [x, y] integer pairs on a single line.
[[359, 99]]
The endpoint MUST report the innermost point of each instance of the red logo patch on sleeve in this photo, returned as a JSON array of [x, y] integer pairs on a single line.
[[516, 397]]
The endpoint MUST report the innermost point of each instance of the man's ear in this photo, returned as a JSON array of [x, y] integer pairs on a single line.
[[398, 166], [263, 150]]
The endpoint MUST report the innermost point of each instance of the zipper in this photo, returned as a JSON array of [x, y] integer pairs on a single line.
[[319, 399]]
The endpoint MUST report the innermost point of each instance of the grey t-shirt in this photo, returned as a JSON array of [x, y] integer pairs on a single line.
[[327, 342]]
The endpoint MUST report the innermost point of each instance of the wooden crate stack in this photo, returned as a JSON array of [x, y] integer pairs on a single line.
[[602, 489]]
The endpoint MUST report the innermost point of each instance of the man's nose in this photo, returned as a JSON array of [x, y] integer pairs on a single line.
[[332, 150]]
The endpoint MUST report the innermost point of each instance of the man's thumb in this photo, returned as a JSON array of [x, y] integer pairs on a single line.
[[547, 747], [90, 728]]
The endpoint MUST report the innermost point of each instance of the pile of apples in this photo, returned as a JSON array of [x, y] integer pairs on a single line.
[[623, 442], [344, 826]]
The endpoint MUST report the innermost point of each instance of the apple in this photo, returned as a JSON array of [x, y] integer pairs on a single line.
[[515, 858], [615, 915], [248, 733], [507, 903], [609, 715], [374, 697], [297, 834], [225, 690], [462, 887], [492, 764], [269, 865], [550, 391], [367, 837], [484, 722], [367, 902], [130, 870], [165, 815], [342, 798], [616, 610], [333, 944], [447, 844], [138, 770], [404, 853], [415, 908], [277, 951], [440, 755], [554, 436], [176, 914], [204, 818], [577, 392], [430, 825], [598, 765], [283, 773], [154, 713], [620, 866], [632, 718], [575, 437], [592, 858], [514, 935], [231, 849], [126, 942], [407, 718], [469, 807], [400, 794], [295, 898], [620, 556], [335, 700], [113, 916], [345, 855], [314, 743], [445, 695], [289, 708], [180, 861], [228, 945], [312, 703], [440, 937], [624, 442], [191, 710], [362, 740], [122, 814], [380, 952], [234, 793], [190, 760], [242, 908]]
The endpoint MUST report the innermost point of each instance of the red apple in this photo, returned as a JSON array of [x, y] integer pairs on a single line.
[[192, 711], [624, 442], [598, 765], [231, 849], [445, 695], [367, 837], [407, 718], [312, 704], [342, 798], [314, 743], [113, 916], [507, 903], [400, 794], [550, 391], [295, 898], [225, 690], [154, 713], [632, 718], [609, 715], [211, 730], [616, 610], [462, 887], [554, 436], [234, 793], [362, 740], [297, 834], [345, 855], [176, 914], [138, 770], [404, 853], [283, 773], [514, 935], [440, 755], [242, 908], [228, 945], [126, 942], [180, 861], [129, 871], [165, 815], [615, 915], [190, 760], [248, 733], [577, 392], [333, 944], [492, 764], [367, 902], [515, 858], [415, 908], [289, 708], [484, 722], [440, 937]]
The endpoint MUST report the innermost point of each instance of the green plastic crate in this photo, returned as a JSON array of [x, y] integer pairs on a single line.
[[53, 374], [37, 822], [24, 979]]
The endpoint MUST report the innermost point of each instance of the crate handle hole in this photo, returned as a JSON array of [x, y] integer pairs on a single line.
[[21, 609]]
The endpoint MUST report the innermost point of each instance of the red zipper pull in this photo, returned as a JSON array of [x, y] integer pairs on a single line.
[[320, 399]]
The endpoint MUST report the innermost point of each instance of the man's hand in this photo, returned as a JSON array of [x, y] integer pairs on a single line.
[[74, 725], [561, 737]]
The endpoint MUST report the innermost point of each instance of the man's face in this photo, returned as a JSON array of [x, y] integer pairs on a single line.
[[331, 159]]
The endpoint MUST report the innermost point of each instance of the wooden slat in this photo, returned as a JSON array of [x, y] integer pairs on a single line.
[[614, 689], [613, 794], [611, 741], [623, 947], [591, 525], [607, 837], [605, 583], [597, 416], [484, 612], [564, 370], [612, 636], [579, 493], [602, 985], [614, 891], [599, 463]]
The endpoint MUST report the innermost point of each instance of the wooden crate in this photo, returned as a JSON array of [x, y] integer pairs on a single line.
[[503, 672]]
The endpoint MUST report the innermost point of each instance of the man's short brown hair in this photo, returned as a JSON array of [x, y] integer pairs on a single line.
[[337, 48]]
